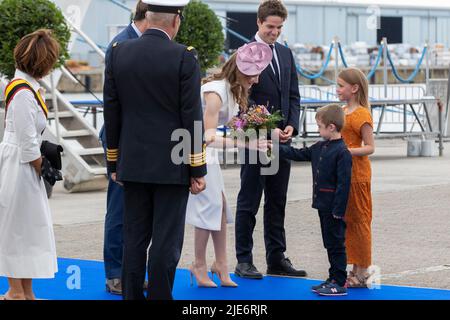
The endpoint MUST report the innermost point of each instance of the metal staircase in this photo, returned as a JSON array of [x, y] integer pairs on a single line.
[[84, 166], [83, 160], [83, 163]]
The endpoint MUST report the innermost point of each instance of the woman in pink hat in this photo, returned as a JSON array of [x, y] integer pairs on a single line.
[[223, 95]]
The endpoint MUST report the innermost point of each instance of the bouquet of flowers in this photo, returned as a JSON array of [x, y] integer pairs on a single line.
[[256, 119]]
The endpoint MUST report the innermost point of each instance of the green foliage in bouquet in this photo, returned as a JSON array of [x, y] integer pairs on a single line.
[[21, 17], [202, 29], [256, 118], [248, 125]]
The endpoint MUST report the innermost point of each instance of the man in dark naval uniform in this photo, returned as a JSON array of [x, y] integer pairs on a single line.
[[113, 235], [152, 97]]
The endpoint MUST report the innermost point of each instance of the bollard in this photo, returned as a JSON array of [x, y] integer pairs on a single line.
[[414, 148], [427, 148]]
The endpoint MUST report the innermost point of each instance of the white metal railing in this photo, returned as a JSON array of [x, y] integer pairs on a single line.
[[393, 115], [376, 91]]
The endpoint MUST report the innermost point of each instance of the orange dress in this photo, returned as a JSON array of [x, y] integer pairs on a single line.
[[358, 216]]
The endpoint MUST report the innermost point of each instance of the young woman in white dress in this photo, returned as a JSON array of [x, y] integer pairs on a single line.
[[223, 95], [27, 243]]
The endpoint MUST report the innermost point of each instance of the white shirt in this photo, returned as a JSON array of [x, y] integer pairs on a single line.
[[23, 124], [34, 83], [274, 51], [138, 32]]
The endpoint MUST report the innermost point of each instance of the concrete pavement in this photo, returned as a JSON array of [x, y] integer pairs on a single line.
[[411, 224]]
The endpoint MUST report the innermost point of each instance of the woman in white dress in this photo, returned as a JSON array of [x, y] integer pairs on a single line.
[[223, 96], [27, 243]]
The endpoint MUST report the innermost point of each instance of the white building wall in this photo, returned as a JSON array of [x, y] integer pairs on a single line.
[[443, 28], [290, 26], [364, 33], [307, 23], [412, 30], [318, 24], [306, 17], [333, 26], [100, 15], [352, 30]]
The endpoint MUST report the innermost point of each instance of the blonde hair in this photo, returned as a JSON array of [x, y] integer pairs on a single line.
[[331, 114], [354, 76], [231, 73]]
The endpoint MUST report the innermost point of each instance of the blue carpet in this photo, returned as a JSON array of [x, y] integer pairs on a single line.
[[84, 280]]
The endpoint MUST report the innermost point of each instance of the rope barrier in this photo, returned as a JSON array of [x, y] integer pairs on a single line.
[[301, 71], [374, 67], [321, 71], [311, 76], [415, 72], [377, 62], [309, 71], [341, 53]]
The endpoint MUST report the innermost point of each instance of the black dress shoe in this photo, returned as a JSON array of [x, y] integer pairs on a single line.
[[247, 270], [285, 268]]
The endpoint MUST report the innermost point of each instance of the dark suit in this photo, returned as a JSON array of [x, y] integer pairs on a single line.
[[152, 88], [113, 239], [282, 96], [331, 164]]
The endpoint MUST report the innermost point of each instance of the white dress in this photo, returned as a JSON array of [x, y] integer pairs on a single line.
[[27, 243], [204, 210]]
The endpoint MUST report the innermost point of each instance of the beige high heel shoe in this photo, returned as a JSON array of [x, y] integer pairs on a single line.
[[221, 275], [195, 272]]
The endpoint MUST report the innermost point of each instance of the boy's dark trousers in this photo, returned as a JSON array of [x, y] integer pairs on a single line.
[[333, 235]]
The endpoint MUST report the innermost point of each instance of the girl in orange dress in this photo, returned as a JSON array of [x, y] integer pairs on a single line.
[[357, 133]]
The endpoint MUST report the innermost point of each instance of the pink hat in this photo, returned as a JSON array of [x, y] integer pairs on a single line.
[[253, 58]]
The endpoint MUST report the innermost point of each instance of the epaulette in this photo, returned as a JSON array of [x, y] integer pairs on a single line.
[[192, 49]]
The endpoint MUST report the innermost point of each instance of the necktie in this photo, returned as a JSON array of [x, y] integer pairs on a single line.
[[274, 63]]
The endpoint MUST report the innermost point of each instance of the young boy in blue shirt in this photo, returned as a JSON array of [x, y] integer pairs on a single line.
[[331, 167]]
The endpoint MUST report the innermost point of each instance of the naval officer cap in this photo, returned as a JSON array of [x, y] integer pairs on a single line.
[[166, 6]]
